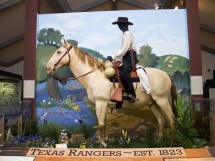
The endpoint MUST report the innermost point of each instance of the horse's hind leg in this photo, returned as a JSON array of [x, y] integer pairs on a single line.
[[159, 116], [163, 103]]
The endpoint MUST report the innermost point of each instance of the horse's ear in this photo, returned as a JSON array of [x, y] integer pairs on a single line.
[[65, 42]]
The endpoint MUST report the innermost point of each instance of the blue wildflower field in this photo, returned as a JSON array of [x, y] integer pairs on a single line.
[[71, 110]]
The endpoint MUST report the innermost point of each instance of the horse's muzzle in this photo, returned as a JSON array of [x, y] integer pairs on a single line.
[[49, 70]]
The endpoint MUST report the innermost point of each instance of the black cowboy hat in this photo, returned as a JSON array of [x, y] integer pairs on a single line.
[[122, 20]]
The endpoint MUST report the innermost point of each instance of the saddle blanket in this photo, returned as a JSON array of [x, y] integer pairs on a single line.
[[144, 81]]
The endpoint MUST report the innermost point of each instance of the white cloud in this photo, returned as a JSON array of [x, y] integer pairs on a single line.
[[98, 41], [110, 28], [62, 17], [157, 26], [56, 26], [163, 39], [95, 30], [168, 45], [75, 24], [70, 27], [95, 20]]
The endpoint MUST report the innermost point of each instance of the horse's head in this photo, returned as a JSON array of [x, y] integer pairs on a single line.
[[60, 58]]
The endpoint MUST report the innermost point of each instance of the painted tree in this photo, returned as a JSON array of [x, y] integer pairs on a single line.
[[93, 53], [48, 42], [146, 57], [44, 52], [178, 76], [73, 42], [50, 36]]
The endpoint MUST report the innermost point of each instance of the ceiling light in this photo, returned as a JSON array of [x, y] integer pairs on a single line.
[[156, 6]]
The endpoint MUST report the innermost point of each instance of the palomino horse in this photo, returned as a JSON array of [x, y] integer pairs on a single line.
[[90, 73]]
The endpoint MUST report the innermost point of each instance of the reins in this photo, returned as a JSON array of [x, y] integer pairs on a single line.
[[74, 78], [65, 79]]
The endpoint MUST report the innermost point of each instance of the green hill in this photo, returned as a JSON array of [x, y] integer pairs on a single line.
[[173, 63], [93, 52]]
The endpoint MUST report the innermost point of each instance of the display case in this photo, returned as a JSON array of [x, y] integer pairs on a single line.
[[10, 93]]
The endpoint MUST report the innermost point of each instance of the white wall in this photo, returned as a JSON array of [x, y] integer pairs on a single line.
[[16, 68], [208, 62]]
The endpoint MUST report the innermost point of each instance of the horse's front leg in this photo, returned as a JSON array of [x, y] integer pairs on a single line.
[[101, 106]]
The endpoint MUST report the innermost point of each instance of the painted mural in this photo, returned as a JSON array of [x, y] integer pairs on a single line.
[[161, 39]]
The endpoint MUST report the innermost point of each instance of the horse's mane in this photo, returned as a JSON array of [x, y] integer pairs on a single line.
[[88, 59]]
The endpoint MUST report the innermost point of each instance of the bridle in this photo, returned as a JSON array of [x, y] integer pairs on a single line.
[[67, 52]]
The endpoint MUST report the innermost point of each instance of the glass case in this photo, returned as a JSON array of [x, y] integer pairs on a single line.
[[10, 93], [10, 101]]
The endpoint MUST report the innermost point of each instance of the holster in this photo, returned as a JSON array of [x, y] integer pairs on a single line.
[[134, 59]]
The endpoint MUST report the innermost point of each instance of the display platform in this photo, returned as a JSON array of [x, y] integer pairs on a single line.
[[207, 154], [16, 158]]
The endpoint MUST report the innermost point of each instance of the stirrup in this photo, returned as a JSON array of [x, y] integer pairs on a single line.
[[131, 98]]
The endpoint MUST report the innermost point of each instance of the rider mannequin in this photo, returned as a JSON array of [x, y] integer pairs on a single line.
[[123, 56]]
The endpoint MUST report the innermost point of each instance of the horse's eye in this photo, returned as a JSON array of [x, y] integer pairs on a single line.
[[58, 52]]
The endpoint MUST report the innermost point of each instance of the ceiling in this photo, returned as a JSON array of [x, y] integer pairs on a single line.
[[12, 18]]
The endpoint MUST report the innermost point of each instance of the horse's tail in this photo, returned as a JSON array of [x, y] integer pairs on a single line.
[[174, 97]]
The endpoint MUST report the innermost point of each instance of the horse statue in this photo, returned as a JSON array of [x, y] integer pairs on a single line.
[[89, 71]]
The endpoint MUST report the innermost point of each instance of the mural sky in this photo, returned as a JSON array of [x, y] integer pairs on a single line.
[[164, 30]]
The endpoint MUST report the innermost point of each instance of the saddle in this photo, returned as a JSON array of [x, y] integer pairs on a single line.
[[118, 95]]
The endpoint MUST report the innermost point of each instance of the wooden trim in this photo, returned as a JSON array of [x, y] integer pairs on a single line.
[[170, 4], [208, 49], [9, 4], [31, 10], [166, 4], [194, 37], [90, 6], [114, 5], [12, 75], [207, 28], [65, 6], [184, 3], [194, 42], [15, 61], [11, 41], [55, 4], [138, 4]]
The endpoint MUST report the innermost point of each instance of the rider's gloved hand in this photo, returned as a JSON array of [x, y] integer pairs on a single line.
[[110, 58]]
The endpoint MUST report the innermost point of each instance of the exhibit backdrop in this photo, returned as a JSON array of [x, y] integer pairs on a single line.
[[161, 42]]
